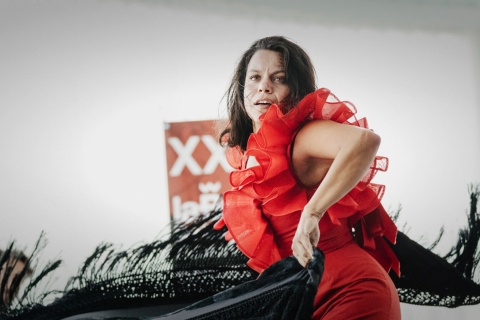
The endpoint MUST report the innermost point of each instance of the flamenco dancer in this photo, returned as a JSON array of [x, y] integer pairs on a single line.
[[311, 239], [303, 181]]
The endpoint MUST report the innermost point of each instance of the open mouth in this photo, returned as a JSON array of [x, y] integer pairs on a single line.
[[263, 103]]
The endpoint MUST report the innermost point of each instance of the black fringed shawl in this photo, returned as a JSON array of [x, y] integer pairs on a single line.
[[428, 279], [269, 297], [195, 264]]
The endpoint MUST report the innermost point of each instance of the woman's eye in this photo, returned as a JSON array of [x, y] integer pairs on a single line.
[[279, 79], [255, 77]]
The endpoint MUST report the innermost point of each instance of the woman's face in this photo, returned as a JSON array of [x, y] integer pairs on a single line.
[[264, 84]]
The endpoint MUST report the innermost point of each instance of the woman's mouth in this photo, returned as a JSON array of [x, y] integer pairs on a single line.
[[263, 103], [262, 106]]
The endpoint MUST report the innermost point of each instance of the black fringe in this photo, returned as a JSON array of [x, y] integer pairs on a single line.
[[194, 262], [190, 264], [26, 288], [465, 256], [267, 298], [448, 281]]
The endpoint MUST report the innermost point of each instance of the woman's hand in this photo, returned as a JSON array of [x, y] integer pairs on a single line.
[[306, 237]]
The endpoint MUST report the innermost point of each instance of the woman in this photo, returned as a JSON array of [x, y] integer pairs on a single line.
[[304, 166]]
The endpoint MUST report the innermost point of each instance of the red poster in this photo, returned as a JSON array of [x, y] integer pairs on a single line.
[[198, 172]]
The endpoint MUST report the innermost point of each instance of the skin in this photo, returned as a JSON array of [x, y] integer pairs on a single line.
[[336, 162], [264, 84]]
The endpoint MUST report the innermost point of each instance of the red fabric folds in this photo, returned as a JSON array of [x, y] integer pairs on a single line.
[[271, 187]]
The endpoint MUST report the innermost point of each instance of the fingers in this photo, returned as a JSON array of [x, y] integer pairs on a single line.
[[306, 238], [303, 258], [302, 249]]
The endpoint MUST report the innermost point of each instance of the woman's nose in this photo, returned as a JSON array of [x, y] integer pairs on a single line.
[[265, 86]]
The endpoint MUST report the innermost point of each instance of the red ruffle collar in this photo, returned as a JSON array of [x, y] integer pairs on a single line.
[[272, 188]]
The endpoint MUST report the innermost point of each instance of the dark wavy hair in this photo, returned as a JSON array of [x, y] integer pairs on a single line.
[[300, 78]]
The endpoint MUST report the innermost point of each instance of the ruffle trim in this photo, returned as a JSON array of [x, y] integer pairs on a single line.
[[271, 187]]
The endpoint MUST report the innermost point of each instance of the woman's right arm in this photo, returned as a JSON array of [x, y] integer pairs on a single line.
[[349, 151]]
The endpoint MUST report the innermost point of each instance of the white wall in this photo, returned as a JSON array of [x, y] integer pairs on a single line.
[[85, 87]]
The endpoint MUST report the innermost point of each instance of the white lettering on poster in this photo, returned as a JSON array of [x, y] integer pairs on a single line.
[[186, 160], [208, 199], [217, 157]]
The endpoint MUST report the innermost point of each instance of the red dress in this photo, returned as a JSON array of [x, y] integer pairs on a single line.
[[262, 212]]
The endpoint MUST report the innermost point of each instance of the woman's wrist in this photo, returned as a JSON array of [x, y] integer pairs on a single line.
[[315, 213]]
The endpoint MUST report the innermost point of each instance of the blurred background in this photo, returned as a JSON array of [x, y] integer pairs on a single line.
[[86, 86]]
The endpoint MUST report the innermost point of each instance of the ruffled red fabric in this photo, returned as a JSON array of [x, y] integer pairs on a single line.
[[271, 187]]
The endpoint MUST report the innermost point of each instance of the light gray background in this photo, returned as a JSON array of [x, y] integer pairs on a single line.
[[85, 87]]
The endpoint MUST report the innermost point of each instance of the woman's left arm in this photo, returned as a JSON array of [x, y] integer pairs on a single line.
[[349, 151]]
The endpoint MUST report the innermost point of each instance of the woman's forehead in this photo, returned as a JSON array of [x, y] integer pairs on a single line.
[[262, 59]]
